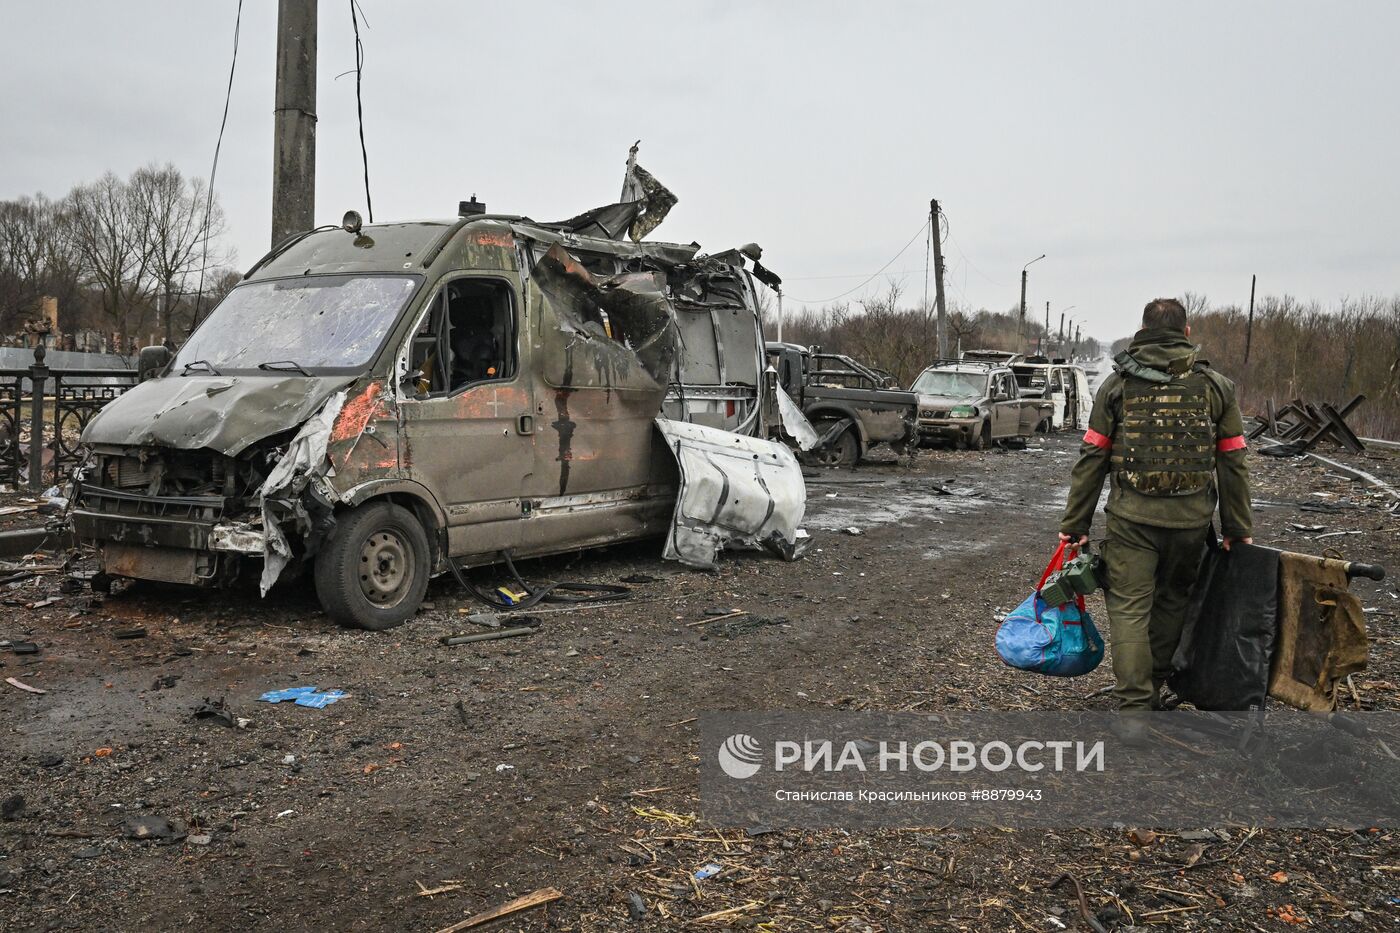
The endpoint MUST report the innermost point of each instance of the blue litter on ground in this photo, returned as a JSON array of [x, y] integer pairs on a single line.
[[709, 871], [321, 700], [304, 696]]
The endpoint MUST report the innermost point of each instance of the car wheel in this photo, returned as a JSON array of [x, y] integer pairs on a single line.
[[983, 438], [373, 572], [842, 452]]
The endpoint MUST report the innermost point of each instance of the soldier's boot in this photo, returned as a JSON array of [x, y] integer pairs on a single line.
[[1130, 727]]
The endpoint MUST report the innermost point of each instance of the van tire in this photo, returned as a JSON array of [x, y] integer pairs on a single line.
[[372, 573]]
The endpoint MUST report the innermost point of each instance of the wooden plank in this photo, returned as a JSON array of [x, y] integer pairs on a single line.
[[1272, 416], [534, 899]]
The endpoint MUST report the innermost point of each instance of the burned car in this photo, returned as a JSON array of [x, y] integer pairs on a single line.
[[975, 404], [373, 402]]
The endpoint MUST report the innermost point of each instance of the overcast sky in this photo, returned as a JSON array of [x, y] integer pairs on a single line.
[[1147, 149]]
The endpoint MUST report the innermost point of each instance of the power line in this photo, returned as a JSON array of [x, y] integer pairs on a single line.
[[818, 301], [359, 106], [214, 170]]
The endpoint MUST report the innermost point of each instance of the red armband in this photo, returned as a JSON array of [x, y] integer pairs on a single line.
[[1098, 440], [1227, 444]]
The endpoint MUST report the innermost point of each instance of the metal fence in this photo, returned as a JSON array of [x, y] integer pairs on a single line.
[[45, 409]]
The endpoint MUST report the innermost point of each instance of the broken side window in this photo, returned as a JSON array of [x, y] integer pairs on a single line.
[[467, 336], [616, 332]]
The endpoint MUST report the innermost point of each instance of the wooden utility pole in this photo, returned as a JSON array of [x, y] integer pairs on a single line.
[[936, 231], [294, 130]]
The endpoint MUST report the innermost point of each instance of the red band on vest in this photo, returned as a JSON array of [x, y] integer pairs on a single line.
[[1227, 444], [1098, 440]]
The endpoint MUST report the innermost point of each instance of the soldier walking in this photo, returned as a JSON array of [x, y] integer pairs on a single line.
[[1168, 429]]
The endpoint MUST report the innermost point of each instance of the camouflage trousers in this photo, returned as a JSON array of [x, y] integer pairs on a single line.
[[1149, 574]]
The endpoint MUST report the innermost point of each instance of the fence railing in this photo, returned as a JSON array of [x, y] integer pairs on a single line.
[[45, 409]]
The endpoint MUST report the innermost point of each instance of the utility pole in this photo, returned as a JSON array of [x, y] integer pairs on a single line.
[[935, 231], [1061, 341], [1249, 331], [294, 130], [1045, 337], [1023, 299]]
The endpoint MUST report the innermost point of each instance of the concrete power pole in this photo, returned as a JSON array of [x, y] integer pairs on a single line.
[[1023, 310], [935, 231], [294, 132]]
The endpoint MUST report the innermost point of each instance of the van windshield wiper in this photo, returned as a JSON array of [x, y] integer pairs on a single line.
[[204, 364], [284, 365]]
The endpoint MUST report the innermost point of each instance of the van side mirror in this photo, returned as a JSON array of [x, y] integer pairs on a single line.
[[151, 360]]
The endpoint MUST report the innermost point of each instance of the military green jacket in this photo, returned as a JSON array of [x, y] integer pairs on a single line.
[[1166, 351]]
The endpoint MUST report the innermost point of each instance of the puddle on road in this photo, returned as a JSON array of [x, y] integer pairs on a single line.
[[885, 504]]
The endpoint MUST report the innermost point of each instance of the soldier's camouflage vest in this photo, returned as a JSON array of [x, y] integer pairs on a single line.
[[1165, 443]]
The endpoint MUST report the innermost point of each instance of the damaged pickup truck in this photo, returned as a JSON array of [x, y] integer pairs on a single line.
[[374, 402]]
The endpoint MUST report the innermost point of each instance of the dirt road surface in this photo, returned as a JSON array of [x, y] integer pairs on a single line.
[[569, 759]]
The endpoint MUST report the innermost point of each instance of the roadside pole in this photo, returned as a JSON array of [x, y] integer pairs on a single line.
[[935, 231], [294, 131]]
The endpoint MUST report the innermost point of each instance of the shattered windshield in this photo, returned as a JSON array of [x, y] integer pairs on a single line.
[[951, 384], [313, 322]]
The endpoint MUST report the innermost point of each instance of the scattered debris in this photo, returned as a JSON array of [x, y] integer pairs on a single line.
[[126, 634], [534, 899], [1084, 912], [516, 632], [639, 578], [709, 871], [23, 686], [304, 696], [444, 888], [217, 711], [487, 619], [24, 647], [636, 907], [853, 531], [152, 828]]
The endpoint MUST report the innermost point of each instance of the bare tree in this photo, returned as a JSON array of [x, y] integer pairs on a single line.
[[175, 219], [35, 259], [103, 227]]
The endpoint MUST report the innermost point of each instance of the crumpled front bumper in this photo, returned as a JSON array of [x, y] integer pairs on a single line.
[[952, 429]]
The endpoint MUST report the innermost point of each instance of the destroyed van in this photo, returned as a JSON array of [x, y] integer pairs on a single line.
[[373, 402]]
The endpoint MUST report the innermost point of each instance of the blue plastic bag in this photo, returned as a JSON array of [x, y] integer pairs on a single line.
[[1057, 640]]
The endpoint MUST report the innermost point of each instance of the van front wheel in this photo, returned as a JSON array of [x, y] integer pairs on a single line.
[[373, 571]]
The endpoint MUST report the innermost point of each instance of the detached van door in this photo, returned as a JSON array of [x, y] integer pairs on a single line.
[[468, 419]]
